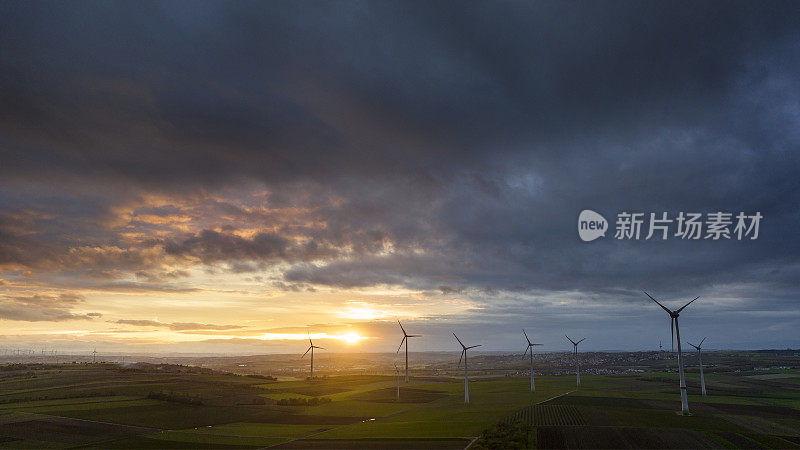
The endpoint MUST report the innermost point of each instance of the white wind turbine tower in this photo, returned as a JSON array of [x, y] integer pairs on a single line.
[[406, 336], [577, 363], [94, 356], [673, 322], [464, 349], [311, 348], [397, 374], [700, 356], [529, 348]]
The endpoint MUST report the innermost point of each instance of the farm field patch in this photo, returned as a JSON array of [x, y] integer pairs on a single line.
[[624, 411]]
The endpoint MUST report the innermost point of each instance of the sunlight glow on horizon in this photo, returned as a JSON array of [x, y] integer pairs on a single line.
[[362, 314], [350, 337]]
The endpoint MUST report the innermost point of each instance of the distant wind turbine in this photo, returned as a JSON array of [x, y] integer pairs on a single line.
[[94, 356], [406, 336], [577, 363], [700, 356], [529, 348], [311, 348], [397, 374], [464, 349], [673, 322]]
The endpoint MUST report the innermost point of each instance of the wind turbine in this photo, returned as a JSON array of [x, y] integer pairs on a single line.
[[94, 356], [311, 348], [406, 336], [397, 374], [700, 355], [676, 337], [577, 364], [464, 349], [529, 348]]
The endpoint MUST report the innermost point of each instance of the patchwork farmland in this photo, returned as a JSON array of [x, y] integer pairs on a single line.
[[108, 406]]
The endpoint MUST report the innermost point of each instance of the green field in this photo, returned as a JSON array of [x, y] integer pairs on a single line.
[[103, 406]]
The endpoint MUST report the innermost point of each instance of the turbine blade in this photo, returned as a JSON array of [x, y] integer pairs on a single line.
[[573, 342], [401, 345], [414, 335], [460, 357], [401, 327], [684, 306], [537, 344], [580, 341], [321, 348], [304, 354], [526, 350], [526, 336], [472, 347], [459, 340], [659, 304], [701, 342]]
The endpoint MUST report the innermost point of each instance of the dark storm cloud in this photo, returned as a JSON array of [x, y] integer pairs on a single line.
[[39, 307], [18, 247], [210, 246], [164, 94], [426, 145], [177, 326]]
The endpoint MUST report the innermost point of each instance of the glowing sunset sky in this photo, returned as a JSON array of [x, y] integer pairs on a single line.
[[228, 177]]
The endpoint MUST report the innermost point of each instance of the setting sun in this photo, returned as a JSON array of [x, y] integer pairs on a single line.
[[351, 338]]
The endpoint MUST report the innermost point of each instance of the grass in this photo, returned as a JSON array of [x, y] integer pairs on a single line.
[[406, 395], [212, 439], [75, 409], [635, 411], [377, 443], [269, 430], [283, 395], [627, 412]]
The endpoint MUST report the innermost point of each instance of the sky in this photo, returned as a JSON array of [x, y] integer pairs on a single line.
[[229, 177]]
